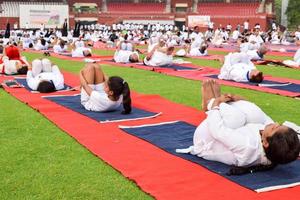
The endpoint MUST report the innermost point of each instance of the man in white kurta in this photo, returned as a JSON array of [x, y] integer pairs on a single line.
[[43, 70], [237, 67], [295, 62], [231, 134]]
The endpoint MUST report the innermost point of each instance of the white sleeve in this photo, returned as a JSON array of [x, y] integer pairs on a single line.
[[235, 141], [59, 78], [238, 75], [31, 81], [97, 99]]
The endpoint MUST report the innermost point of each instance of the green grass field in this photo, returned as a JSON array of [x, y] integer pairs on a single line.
[[39, 161]]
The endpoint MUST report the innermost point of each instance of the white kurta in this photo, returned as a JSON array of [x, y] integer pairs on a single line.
[[237, 67], [231, 135], [253, 55], [55, 76], [159, 59], [78, 52], [122, 56]]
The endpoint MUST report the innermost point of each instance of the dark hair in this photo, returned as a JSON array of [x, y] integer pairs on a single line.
[[258, 78], [43, 42], [46, 87], [30, 45], [284, 147], [119, 87], [87, 54], [202, 49], [235, 170], [23, 70]]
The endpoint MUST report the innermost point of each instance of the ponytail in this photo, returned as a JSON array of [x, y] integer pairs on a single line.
[[126, 98], [234, 170], [120, 87]]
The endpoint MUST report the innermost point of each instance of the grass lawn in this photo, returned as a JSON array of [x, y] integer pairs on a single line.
[[39, 161]]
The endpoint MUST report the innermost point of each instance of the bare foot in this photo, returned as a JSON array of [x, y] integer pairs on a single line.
[[207, 93]]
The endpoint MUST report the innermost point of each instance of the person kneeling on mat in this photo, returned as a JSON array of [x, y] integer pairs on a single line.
[[238, 133], [44, 76], [100, 93]]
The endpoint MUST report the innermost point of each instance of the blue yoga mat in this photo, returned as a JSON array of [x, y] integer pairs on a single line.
[[293, 87], [73, 103], [178, 67], [178, 135], [23, 82]]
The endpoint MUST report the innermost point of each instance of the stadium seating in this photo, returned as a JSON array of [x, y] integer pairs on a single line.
[[225, 9], [136, 8]]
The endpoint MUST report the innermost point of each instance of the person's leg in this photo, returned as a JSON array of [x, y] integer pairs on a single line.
[[207, 93], [46, 63], [99, 74], [88, 72], [93, 74], [36, 67]]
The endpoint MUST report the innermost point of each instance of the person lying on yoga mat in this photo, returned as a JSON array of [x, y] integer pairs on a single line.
[[44, 76], [125, 53], [238, 67], [257, 54], [191, 50], [238, 133], [160, 55], [60, 47], [296, 61], [12, 62], [100, 93], [12, 67]]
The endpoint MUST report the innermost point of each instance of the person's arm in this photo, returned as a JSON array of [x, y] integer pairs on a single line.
[[31, 82], [150, 54], [84, 84]]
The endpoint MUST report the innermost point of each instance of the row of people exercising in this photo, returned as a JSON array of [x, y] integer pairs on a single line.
[[236, 132]]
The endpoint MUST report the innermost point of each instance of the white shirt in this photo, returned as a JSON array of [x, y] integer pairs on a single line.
[[78, 52], [98, 101], [58, 49], [253, 55], [159, 59], [55, 76], [297, 57], [235, 34], [196, 52], [231, 135], [246, 25], [237, 67], [122, 56]]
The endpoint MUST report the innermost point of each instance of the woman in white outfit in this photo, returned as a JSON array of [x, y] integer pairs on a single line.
[[100, 93]]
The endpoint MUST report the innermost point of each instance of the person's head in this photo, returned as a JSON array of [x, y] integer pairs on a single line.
[[43, 42], [62, 43], [30, 45], [115, 87], [256, 76], [87, 53], [134, 57], [263, 50], [46, 87], [203, 48], [281, 143], [170, 50], [22, 69], [196, 29]]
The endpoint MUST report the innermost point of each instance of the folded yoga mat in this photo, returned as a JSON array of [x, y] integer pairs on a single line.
[[73, 103], [170, 136], [23, 82], [291, 87]]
